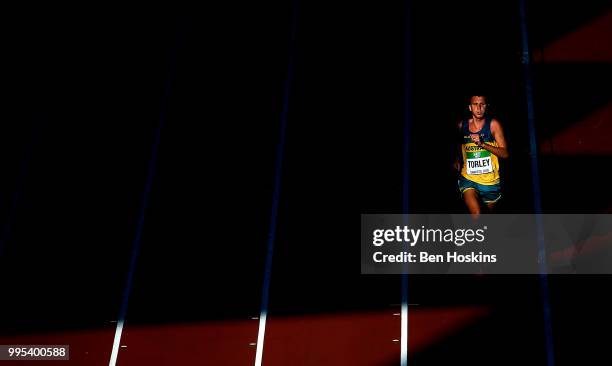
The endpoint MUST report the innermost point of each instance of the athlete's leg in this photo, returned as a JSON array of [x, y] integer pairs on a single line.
[[490, 206], [470, 196]]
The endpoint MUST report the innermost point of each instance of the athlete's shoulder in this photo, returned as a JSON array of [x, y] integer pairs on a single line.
[[495, 124]]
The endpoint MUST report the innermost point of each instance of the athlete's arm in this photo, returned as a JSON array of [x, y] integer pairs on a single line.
[[500, 150], [458, 154]]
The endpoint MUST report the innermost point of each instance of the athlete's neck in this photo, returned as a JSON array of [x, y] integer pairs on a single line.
[[478, 121]]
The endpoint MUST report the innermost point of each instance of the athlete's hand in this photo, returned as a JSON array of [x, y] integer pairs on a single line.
[[457, 165], [476, 139]]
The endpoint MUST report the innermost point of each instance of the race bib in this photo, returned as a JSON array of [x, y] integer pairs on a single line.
[[478, 162]]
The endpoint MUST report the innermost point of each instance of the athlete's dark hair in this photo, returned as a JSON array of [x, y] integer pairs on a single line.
[[468, 98]]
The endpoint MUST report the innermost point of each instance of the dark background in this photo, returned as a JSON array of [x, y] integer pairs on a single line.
[[86, 88]]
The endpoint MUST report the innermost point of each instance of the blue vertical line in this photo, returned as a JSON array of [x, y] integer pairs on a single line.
[[165, 101], [406, 175], [280, 150], [537, 198], [19, 185]]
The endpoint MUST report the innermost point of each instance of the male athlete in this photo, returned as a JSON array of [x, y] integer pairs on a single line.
[[482, 144]]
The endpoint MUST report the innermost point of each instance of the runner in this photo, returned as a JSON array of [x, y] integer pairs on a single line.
[[482, 144]]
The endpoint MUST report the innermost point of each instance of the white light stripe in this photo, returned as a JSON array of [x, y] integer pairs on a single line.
[[116, 343], [404, 335], [260, 338]]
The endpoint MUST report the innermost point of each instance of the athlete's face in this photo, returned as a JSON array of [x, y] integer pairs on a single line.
[[478, 106]]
